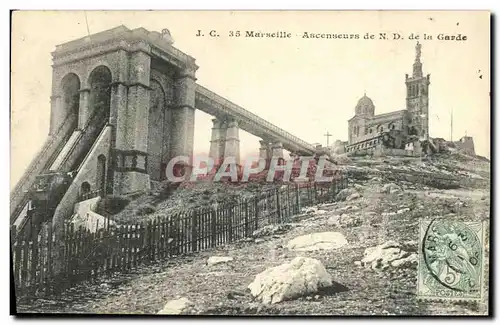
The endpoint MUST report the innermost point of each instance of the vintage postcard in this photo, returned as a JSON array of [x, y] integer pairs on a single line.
[[250, 162]]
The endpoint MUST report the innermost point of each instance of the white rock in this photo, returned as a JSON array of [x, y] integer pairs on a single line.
[[175, 307], [259, 240], [302, 276], [403, 210], [391, 188], [350, 220], [385, 255], [358, 263], [346, 192], [359, 187], [311, 210], [412, 259], [317, 241], [353, 197], [333, 221], [213, 260]]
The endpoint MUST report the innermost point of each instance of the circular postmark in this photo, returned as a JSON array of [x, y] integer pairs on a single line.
[[452, 254]]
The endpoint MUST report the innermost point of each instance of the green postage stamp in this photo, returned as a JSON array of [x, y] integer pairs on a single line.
[[451, 260]]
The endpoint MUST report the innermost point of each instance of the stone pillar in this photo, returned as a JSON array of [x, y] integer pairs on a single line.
[[277, 148], [130, 152], [232, 143], [294, 155], [83, 110], [217, 142], [55, 114], [264, 150], [182, 134], [118, 103]]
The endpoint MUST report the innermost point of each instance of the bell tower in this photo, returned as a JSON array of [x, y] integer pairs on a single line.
[[417, 96]]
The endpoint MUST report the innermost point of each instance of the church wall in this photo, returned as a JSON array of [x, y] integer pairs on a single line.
[[357, 130]]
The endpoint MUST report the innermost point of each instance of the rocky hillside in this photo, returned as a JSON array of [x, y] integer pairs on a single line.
[[359, 253]]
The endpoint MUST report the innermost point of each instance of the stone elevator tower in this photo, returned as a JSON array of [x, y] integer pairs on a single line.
[[145, 91]]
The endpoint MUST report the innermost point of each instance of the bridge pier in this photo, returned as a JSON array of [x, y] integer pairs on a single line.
[[265, 150], [218, 141], [294, 155], [277, 148], [232, 143], [182, 134], [130, 152]]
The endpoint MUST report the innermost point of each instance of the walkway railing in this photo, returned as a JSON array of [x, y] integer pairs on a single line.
[[252, 117]]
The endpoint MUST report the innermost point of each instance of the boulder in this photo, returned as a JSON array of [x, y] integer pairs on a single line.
[[175, 307], [310, 210], [403, 210], [345, 193], [359, 187], [270, 230], [391, 188], [386, 255], [348, 220], [344, 220], [411, 259], [333, 221], [353, 196], [301, 277], [213, 260], [317, 241]]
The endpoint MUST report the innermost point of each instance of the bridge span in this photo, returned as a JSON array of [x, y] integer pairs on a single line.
[[223, 109]]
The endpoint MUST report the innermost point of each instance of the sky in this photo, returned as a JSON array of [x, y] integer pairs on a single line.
[[305, 86]]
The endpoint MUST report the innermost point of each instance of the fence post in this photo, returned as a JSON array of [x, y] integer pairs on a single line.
[[49, 259], [214, 227], [34, 263], [297, 198], [246, 218], [278, 207], [256, 203], [194, 231], [230, 223]]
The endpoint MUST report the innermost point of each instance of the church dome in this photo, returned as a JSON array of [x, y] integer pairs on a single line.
[[365, 106]]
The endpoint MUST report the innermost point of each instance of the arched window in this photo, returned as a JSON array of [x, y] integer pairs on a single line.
[[84, 188]]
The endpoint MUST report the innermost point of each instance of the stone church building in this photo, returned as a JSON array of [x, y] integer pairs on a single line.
[[397, 129]]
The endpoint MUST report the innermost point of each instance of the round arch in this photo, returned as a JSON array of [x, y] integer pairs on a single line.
[[70, 95], [100, 91], [158, 135]]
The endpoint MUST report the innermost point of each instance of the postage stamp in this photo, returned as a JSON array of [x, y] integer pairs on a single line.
[[451, 260]]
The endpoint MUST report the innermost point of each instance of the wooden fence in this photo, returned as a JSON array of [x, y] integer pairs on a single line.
[[88, 255]]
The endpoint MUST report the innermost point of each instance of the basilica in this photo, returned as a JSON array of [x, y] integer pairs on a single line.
[[397, 129]]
